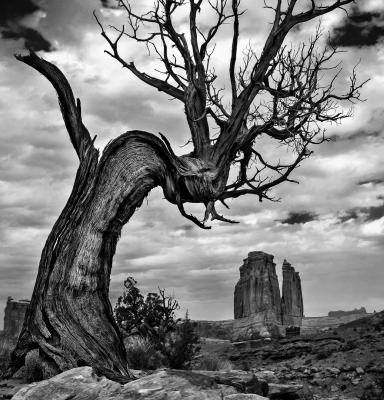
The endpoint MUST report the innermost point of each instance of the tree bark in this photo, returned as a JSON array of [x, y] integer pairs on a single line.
[[70, 318]]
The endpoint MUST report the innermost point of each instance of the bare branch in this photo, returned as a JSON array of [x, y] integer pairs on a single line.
[[161, 85], [70, 109], [235, 40]]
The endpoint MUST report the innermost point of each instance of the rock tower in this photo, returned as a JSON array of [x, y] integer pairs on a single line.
[[292, 309], [258, 291]]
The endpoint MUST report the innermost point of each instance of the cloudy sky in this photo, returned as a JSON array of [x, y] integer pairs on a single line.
[[330, 227]]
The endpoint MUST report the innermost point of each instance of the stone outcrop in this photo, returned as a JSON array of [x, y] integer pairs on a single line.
[[258, 291], [214, 329], [256, 326], [14, 317], [311, 325], [83, 384], [292, 309], [13, 321]]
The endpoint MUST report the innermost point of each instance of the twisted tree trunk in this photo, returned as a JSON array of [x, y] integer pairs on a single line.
[[70, 317]]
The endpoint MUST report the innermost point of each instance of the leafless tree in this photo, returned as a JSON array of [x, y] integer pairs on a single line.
[[281, 93]]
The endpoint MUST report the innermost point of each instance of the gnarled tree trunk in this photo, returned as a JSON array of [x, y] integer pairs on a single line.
[[70, 317]]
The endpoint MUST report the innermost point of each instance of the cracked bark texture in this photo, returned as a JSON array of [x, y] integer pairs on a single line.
[[70, 318]]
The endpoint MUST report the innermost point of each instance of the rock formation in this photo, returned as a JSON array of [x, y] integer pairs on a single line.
[[258, 308], [14, 317], [258, 291], [82, 383], [292, 310], [341, 313]]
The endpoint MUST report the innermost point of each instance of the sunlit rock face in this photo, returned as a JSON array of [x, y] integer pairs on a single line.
[[292, 309], [258, 291]]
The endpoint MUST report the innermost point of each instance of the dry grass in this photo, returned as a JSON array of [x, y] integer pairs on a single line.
[[141, 353], [211, 362], [33, 369], [6, 347]]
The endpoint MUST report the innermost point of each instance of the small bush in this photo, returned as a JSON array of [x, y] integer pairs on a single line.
[[372, 394], [33, 369], [323, 354], [211, 362], [142, 354], [156, 337], [182, 345], [6, 347], [350, 345]]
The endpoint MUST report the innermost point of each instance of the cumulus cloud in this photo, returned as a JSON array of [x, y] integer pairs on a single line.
[[20, 20], [303, 217], [361, 27], [372, 181], [365, 214]]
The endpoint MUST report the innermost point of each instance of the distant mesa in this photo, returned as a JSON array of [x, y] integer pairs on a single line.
[[14, 314], [340, 313], [14, 317]]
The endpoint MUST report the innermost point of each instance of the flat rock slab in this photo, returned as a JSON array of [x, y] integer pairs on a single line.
[[245, 396], [83, 384], [8, 387], [287, 389], [77, 383]]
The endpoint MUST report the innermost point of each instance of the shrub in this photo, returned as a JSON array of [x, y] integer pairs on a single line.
[[6, 346], [182, 345], [211, 362], [142, 354], [153, 328], [349, 345], [323, 354], [33, 369], [153, 317]]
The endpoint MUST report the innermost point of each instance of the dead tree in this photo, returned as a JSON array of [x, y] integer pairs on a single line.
[[278, 94]]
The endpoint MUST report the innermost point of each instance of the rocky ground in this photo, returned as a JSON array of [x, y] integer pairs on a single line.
[[343, 364]]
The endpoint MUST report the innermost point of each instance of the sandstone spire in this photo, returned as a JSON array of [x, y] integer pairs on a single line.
[[292, 299], [258, 291]]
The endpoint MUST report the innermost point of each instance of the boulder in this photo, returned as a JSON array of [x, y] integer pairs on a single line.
[[74, 384], [243, 381], [244, 396], [83, 384], [284, 391]]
